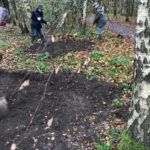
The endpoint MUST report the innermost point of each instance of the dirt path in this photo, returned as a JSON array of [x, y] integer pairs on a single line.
[[124, 30], [78, 106]]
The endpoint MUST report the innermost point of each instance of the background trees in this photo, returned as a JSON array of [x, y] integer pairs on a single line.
[[77, 11]]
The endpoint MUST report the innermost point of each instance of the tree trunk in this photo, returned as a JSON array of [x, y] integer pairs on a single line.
[[139, 122], [84, 15], [115, 8], [127, 10]]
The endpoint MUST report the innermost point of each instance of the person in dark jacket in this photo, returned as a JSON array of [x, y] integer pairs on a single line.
[[36, 24], [100, 19]]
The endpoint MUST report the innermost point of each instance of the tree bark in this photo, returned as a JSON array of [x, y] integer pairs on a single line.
[[139, 122], [115, 8], [127, 10]]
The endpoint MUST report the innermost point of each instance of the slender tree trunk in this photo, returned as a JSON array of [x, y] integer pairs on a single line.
[[139, 122], [127, 10], [84, 16], [115, 8], [132, 8]]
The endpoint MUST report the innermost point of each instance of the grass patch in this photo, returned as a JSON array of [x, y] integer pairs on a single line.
[[119, 140], [117, 103], [43, 56], [128, 143], [3, 44], [116, 61], [95, 55], [18, 51]]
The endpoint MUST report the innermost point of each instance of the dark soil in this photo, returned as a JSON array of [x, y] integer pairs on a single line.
[[62, 47], [77, 105], [70, 98]]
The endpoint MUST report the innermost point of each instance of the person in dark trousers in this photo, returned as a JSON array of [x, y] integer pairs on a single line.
[[100, 19], [36, 24]]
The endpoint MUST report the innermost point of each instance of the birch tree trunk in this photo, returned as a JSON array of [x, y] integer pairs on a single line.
[[139, 122]]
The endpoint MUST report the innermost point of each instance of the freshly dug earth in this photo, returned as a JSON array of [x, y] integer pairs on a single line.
[[70, 99], [62, 47]]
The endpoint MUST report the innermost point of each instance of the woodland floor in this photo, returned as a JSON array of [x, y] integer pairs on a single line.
[[79, 108], [75, 110]]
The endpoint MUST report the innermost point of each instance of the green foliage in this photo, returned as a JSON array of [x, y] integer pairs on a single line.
[[128, 143], [41, 66], [57, 11], [103, 146], [24, 58], [3, 44], [96, 55], [90, 74], [118, 62], [90, 32], [116, 102], [124, 87], [43, 56], [111, 73], [74, 62], [113, 135], [18, 51], [100, 71], [66, 68]]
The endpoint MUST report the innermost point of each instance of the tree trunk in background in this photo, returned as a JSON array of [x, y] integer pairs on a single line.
[[84, 15], [13, 10], [139, 122], [20, 11], [127, 10], [115, 8], [132, 8]]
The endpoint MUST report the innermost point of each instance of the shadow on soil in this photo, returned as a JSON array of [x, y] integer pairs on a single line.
[[69, 96]]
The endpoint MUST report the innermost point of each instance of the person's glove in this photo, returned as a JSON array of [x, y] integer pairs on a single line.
[[39, 18]]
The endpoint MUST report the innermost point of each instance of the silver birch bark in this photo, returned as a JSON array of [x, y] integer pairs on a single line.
[[139, 122]]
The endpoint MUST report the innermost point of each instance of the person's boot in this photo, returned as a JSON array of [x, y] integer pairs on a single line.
[[100, 38], [32, 40], [43, 40]]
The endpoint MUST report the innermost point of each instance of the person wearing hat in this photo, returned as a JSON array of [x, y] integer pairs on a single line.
[[100, 19], [36, 24]]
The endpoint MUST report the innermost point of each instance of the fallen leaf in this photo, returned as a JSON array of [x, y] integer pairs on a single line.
[[57, 69], [24, 84], [53, 39], [87, 62], [13, 147], [49, 123], [52, 138]]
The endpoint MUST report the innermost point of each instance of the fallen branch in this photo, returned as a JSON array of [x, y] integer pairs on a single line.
[[63, 17], [42, 98], [27, 75]]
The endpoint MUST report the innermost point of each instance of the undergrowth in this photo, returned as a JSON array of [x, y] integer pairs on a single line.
[[119, 140]]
